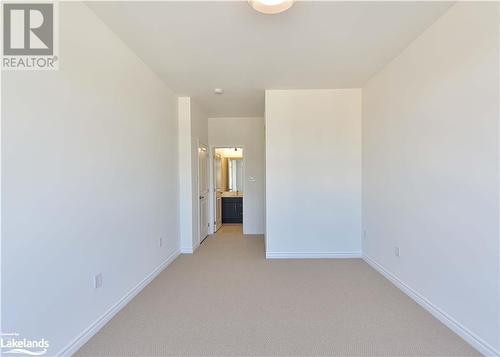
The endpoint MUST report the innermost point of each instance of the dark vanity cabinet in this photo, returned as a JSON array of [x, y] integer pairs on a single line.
[[232, 209]]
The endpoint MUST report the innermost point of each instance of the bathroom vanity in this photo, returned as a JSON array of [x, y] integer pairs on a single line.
[[232, 208]]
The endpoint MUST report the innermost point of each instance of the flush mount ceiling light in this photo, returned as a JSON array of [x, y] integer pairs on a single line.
[[271, 7]]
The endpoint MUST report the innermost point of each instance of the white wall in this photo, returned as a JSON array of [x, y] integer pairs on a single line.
[[186, 193], [193, 131], [90, 182], [199, 120], [249, 133], [313, 173], [199, 136], [430, 168]]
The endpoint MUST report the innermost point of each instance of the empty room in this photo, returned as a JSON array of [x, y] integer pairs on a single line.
[[250, 178]]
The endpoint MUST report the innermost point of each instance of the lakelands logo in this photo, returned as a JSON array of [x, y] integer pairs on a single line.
[[29, 36], [11, 343]]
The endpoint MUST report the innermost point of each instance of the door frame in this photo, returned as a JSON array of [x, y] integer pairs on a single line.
[[211, 185]]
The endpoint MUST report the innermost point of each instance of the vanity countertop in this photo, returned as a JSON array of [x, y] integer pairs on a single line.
[[232, 194]]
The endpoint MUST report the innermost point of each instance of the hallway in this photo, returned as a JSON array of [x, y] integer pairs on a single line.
[[227, 299]]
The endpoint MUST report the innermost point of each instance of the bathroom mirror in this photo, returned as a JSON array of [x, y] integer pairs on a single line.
[[235, 176]]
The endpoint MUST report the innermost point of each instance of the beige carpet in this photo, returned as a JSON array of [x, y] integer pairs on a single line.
[[226, 299]]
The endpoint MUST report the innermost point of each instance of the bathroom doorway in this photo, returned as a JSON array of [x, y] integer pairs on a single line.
[[228, 186]]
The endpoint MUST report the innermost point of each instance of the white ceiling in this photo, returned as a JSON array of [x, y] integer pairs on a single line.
[[197, 46]]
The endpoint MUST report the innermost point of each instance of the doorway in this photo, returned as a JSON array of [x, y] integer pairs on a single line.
[[228, 182]]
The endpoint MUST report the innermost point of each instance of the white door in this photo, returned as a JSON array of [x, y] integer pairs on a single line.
[[218, 213], [218, 191], [203, 190]]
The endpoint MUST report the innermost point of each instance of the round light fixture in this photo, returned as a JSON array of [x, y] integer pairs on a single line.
[[271, 7]]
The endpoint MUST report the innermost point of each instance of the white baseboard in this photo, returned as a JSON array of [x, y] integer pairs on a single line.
[[189, 250], [313, 255], [470, 337], [90, 331]]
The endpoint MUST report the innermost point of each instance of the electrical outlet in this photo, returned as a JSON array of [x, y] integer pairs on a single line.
[[98, 281], [396, 251], [160, 242]]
